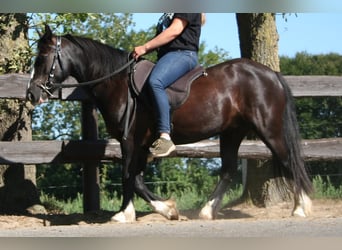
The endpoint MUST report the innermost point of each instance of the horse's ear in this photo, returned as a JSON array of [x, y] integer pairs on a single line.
[[48, 32], [47, 35], [40, 34]]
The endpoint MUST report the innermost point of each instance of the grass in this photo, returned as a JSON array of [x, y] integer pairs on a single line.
[[186, 200], [324, 189]]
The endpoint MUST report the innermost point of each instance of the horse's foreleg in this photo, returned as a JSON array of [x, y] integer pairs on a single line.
[[127, 210], [166, 208], [126, 215]]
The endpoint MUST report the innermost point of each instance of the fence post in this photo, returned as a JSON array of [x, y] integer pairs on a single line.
[[91, 181]]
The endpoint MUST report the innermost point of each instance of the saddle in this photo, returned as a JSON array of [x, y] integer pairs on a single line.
[[177, 92]]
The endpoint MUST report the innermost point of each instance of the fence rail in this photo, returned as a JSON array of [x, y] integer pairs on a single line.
[[39, 152]]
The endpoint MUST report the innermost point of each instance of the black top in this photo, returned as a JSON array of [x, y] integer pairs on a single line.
[[188, 39]]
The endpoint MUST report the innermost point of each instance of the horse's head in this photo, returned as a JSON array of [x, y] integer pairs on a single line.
[[50, 67]]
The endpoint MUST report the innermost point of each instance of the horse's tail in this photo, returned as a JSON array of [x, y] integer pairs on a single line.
[[292, 138]]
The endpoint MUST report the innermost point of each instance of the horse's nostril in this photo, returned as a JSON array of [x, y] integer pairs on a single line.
[[29, 96]]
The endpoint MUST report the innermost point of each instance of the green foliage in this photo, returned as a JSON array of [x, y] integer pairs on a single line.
[[15, 51], [57, 120], [325, 189], [110, 179], [179, 176], [105, 27], [306, 64], [57, 206], [211, 57], [63, 181], [319, 117], [186, 200], [18, 62], [51, 203]]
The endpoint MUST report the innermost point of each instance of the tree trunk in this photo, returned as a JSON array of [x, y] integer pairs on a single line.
[[17, 182], [259, 41], [259, 38]]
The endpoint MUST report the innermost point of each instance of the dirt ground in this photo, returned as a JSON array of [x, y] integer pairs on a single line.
[[321, 209]]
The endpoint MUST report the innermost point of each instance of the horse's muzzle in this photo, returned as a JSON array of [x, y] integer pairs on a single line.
[[34, 95]]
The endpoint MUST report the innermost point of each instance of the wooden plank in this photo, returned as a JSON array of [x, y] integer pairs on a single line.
[[305, 86], [14, 86], [329, 149], [37, 152]]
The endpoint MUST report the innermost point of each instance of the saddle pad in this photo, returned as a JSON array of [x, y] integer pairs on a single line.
[[177, 92]]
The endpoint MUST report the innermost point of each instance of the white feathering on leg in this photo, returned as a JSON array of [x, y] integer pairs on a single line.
[[207, 211], [126, 216]]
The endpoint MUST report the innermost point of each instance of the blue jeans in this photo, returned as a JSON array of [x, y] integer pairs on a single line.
[[167, 70]]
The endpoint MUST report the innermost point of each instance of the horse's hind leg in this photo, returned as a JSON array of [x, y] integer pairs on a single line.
[[229, 145], [302, 205], [288, 165], [288, 162]]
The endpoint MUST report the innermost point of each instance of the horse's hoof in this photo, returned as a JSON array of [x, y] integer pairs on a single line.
[[303, 206], [302, 211], [121, 217], [299, 212], [126, 216], [207, 212], [168, 209], [173, 213]]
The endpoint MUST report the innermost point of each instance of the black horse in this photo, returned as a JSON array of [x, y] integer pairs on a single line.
[[235, 98]]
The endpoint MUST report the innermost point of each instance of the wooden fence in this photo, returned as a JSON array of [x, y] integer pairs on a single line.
[[90, 150]]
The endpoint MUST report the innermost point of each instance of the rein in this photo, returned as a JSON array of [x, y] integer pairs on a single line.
[[63, 85]]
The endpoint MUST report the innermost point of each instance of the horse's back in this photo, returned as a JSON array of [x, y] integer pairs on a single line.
[[246, 76], [241, 66], [232, 93]]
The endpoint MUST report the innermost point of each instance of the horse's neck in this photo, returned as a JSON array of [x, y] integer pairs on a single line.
[[84, 66], [80, 68], [110, 95]]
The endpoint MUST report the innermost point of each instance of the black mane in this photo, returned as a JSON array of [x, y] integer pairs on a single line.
[[102, 57]]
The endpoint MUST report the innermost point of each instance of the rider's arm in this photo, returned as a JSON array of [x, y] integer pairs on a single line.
[[175, 29]]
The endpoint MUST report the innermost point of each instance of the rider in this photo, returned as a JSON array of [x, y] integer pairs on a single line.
[[177, 43]]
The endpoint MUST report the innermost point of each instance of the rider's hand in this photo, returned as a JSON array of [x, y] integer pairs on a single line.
[[139, 51]]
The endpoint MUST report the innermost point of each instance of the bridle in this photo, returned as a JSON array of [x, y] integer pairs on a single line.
[[50, 84]]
